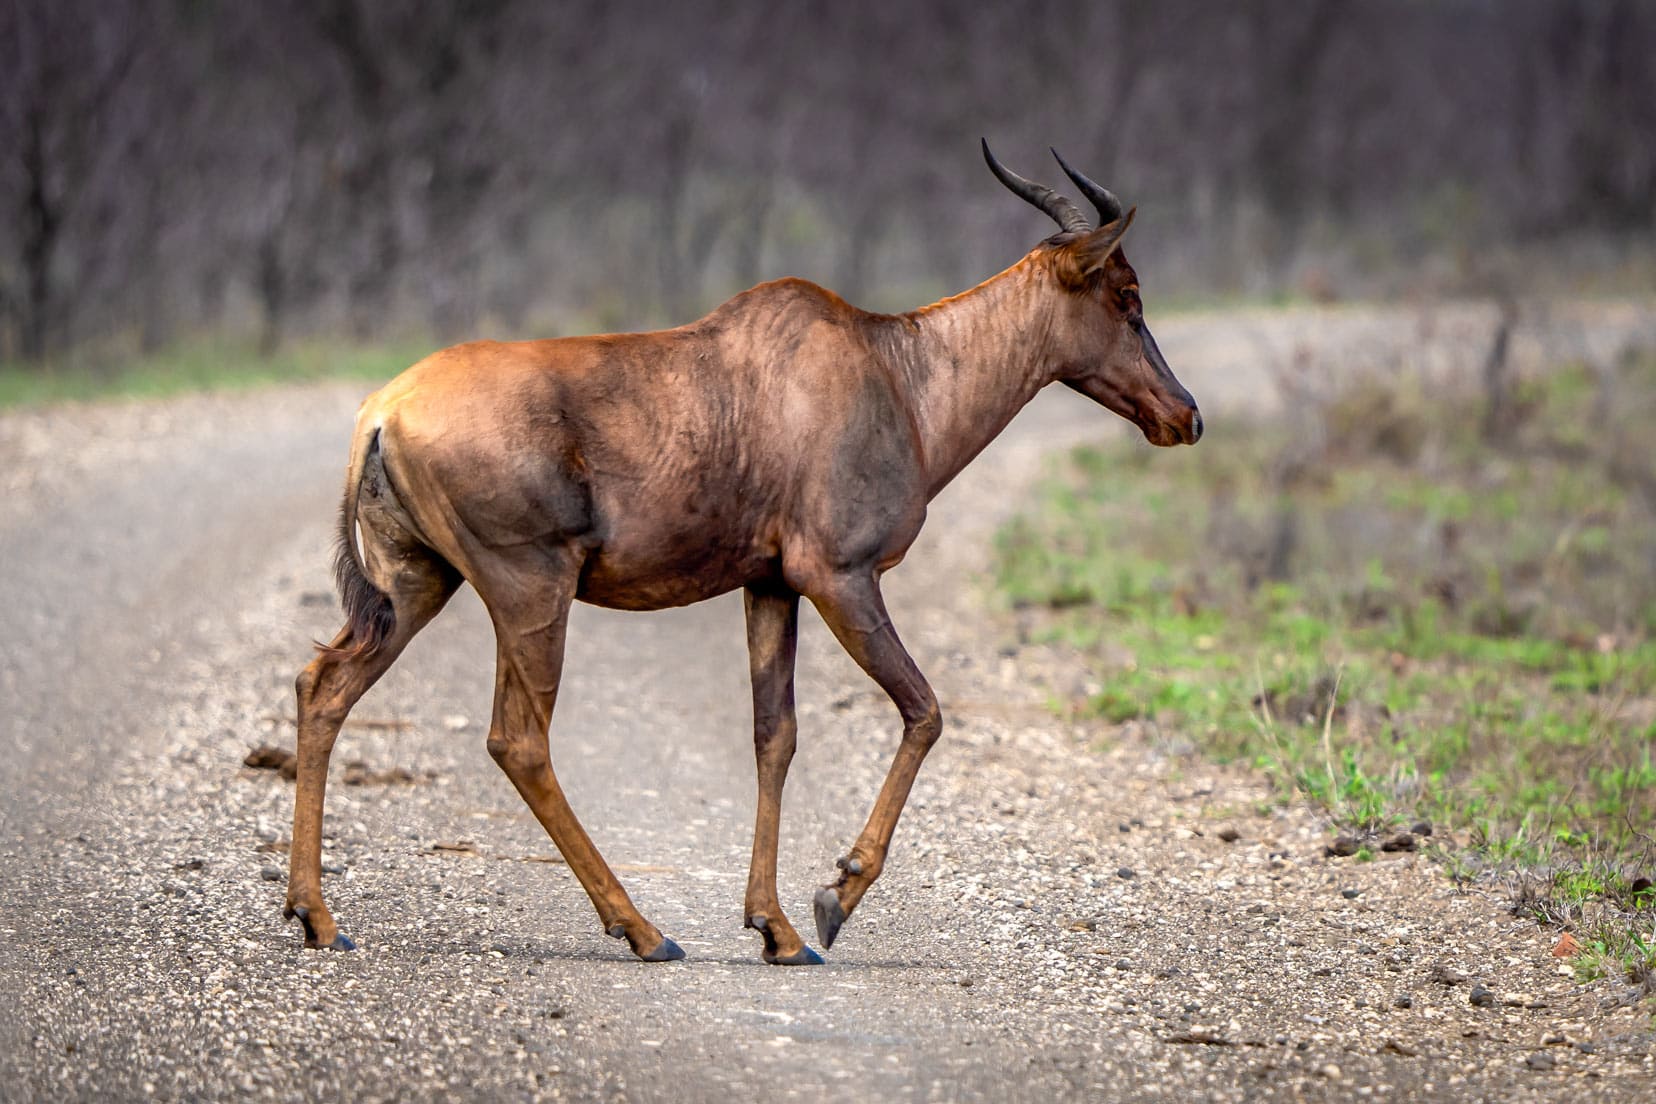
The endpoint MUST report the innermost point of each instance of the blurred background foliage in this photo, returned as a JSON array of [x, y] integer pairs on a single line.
[[173, 171]]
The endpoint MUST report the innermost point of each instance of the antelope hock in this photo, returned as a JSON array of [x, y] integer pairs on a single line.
[[787, 444]]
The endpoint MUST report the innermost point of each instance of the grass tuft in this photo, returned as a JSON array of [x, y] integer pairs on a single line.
[[200, 366], [1397, 608]]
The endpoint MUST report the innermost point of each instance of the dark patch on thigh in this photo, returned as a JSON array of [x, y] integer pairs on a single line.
[[532, 499]]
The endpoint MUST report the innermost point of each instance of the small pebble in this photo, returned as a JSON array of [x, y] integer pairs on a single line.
[[1540, 1060], [1403, 841], [1403, 1000], [1480, 997], [1421, 827], [1229, 835], [1447, 975], [1344, 845], [1126, 872], [271, 874], [1350, 894]]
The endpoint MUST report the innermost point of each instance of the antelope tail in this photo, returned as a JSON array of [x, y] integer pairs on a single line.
[[369, 615]]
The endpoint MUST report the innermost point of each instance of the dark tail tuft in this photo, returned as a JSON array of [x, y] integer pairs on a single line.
[[369, 615], [370, 618]]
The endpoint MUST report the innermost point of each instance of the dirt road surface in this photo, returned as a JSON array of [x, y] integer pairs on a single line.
[[1061, 918]]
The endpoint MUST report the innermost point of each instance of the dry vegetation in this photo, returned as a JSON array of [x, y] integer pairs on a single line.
[[1403, 602], [381, 169]]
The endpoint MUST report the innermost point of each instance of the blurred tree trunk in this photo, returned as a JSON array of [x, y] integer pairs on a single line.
[[1606, 64], [1289, 44], [369, 200], [42, 219], [685, 232], [61, 106], [860, 206], [1499, 414], [144, 260], [270, 281], [752, 224], [859, 237], [368, 166]]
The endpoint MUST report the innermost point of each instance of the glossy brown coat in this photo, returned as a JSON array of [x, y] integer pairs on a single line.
[[787, 443]]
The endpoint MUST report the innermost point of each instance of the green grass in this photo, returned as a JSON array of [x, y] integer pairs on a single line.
[[201, 366], [1391, 617]]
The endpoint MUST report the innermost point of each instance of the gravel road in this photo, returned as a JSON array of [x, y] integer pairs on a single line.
[[1061, 918]]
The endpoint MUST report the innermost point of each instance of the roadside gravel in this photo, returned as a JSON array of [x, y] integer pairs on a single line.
[[1061, 918]]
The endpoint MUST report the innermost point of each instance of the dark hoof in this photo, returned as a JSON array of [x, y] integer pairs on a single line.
[[803, 957], [302, 914], [666, 951], [829, 916]]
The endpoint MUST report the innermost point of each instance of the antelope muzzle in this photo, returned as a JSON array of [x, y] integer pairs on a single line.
[[1167, 414]]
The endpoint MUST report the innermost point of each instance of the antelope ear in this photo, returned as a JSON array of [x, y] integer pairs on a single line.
[[1087, 254]]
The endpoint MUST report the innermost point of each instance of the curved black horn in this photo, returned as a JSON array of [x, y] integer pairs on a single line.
[[1109, 207], [1061, 210]]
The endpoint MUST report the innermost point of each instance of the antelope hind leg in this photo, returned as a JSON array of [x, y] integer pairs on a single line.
[[529, 603], [327, 689]]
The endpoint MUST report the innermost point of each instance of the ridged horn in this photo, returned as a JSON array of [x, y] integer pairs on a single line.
[[1109, 207], [1059, 209]]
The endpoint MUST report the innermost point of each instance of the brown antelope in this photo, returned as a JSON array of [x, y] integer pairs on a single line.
[[788, 444]]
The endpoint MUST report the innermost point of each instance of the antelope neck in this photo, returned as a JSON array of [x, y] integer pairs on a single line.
[[970, 362]]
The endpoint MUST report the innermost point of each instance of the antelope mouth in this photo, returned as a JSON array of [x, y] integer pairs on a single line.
[[1168, 432]]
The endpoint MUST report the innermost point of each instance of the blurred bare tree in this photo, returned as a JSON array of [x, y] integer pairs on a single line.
[[173, 168]]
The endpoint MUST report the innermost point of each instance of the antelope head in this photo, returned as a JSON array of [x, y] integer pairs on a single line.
[[1101, 346]]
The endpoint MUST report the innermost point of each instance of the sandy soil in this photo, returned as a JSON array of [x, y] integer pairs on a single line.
[[1061, 917]]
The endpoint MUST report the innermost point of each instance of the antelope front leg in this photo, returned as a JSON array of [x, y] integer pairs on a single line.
[[773, 637], [856, 613], [530, 621]]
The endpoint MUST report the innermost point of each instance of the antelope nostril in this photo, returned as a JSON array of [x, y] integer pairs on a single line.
[[1195, 426]]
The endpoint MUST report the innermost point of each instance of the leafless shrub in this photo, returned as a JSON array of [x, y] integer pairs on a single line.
[[501, 165]]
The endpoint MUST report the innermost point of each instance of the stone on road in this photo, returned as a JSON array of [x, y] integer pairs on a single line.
[[166, 569]]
